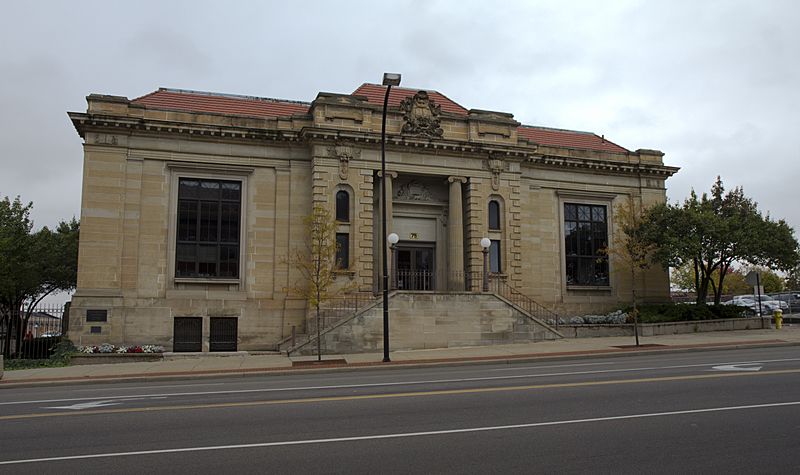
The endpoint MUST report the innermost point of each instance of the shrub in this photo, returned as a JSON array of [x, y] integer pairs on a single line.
[[59, 356], [731, 311], [39, 348], [670, 312]]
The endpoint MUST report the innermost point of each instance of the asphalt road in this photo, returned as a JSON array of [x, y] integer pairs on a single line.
[[711, 412]]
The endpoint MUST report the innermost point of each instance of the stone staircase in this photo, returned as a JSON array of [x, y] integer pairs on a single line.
[[421, 320]]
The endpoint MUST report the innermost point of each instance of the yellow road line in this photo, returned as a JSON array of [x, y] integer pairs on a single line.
[[446, 392]]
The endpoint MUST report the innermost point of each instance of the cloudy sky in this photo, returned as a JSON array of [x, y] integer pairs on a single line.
[[713, 84]]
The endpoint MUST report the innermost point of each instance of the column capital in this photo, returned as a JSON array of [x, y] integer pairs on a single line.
[[389, 173], [453, 179]]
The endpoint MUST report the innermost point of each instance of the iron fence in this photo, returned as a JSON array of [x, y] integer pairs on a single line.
[[473, 282], [32, 333]]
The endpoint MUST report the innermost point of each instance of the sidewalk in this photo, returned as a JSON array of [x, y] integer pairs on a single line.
[[182, 366]]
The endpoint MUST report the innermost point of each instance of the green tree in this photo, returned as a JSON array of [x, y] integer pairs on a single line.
[[793, 279], [33, 265], [733, 283], [770, 281], [316, 262], [712, 232]]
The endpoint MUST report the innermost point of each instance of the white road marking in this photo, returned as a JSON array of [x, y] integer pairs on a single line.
[[88, 405], [395, 383], [736, 367], [134, 388], [398, 435], [512, 368], [102, 403]]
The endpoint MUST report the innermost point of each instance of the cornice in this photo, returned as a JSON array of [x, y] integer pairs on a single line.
[[84, 123], [602, 165], [527, 154]]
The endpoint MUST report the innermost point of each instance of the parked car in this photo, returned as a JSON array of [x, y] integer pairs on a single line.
[[792, 300], [768, 305]]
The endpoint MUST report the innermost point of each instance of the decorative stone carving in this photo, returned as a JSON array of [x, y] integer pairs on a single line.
[[421, 115], [344, 153], [413, 191], [496, 167], [105, 139]]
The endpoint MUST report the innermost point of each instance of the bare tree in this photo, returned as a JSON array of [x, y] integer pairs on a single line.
[[629, 249], [316, 261]]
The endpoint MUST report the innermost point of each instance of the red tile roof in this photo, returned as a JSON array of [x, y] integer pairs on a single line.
[[375, 94], [195, 101], [567, 138]]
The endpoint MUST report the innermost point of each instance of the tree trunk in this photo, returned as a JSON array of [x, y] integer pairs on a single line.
[[5, 322], [635, 310], [718, 294], [20, 327], [702, 290], [697, 281]]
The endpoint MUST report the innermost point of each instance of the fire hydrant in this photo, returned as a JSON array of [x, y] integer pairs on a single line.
[[777, 315]]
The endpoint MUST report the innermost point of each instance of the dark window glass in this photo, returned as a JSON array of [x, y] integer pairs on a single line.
[[494, 215], [209, 217], [342, 206], [495, 264], [585, 241], [342, 250]]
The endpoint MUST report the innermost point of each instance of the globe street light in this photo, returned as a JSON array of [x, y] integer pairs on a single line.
[[389, 80], [485, 243], [392, 239]]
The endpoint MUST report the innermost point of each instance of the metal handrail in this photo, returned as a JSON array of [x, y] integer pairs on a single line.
[[335, 309], [532, 307]]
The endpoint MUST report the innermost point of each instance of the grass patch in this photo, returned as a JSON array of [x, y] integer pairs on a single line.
[[11, 365]]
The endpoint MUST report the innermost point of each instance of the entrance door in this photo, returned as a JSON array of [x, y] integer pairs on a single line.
[[415, 267]]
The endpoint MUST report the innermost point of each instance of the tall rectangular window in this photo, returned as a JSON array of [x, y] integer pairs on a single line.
[[495, 265], [585, 242], [494, 216], [342, 206], [209, 216], [342, 250]]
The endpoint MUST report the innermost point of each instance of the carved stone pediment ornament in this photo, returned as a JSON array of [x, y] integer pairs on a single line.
[[344, 153], [421, 115], [413, 191]]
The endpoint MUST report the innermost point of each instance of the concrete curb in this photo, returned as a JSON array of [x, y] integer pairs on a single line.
[[377, 365]]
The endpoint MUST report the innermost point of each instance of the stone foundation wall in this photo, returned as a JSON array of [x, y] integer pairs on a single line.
[[655, 329]]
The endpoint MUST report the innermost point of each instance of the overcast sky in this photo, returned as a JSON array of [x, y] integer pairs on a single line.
[[713, 84]]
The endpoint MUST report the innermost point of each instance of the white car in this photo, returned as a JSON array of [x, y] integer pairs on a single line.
[[768, 304]]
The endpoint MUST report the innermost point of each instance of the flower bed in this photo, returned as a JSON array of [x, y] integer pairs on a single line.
[[106, 348]]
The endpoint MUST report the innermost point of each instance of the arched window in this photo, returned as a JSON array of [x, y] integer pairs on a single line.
[[342, 206], [494, 215]]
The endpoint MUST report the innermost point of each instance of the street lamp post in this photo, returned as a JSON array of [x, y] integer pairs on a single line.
[[393, 239], [485, 243], [389, 80]]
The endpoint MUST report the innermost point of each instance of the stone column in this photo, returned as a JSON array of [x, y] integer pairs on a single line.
[[455, 235], [381, 240]]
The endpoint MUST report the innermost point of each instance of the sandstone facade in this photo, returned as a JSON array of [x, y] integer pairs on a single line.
[[147, 255]]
